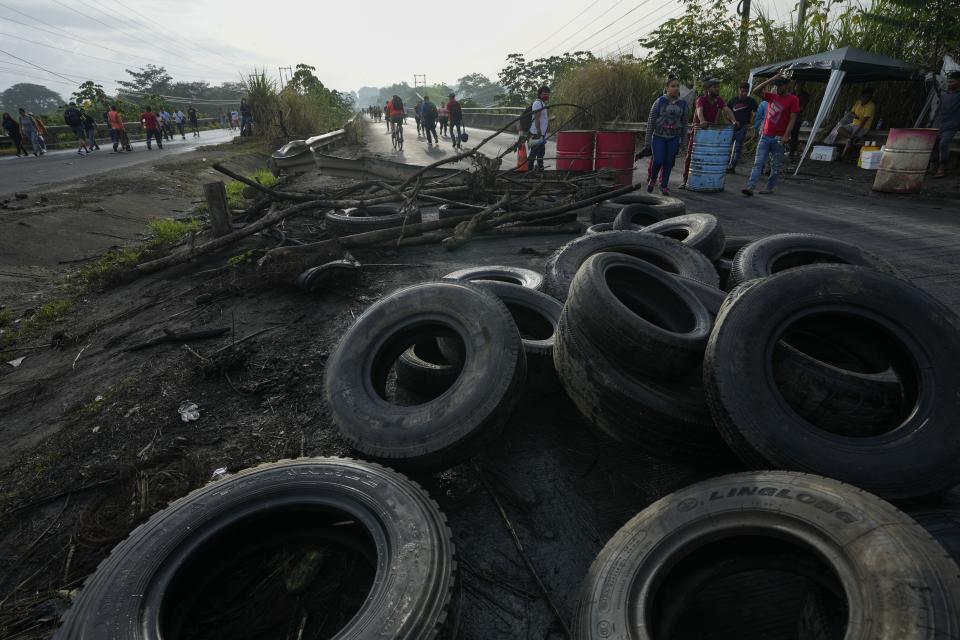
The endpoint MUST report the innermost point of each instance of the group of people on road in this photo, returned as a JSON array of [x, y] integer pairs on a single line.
[[159, 126], [428, 116]]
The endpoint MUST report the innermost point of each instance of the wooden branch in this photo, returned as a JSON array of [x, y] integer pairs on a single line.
[[279, 195], [464, 236], [172, 336]]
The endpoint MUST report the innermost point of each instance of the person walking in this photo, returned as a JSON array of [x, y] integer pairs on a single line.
[[223, 119], [666, 133], [245, 117], [150, 124], [428, 118], [782, 114], [538, 129], [455, 114], [194, 123], [234, 120], [947, 121], [743, 107], [13, 130], [443, 116], [706, 111], [118, 133], [417, 115], [41, 131], [180, 119], [804, 98], [90, 128], [74, 119]]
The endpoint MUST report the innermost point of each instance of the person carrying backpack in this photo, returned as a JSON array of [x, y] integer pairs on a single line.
[[74, 119], [90, 128], [194, 124], [538, 129], [666, 133], [429, 117]]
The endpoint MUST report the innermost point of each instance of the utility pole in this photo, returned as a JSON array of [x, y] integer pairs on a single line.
[[744, 11], [801, 13], [289, 71], [419, 80]]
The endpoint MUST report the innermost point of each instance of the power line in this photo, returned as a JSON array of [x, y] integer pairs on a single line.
[[618, 33], [601, 30], [611, 8], [534, 47], [634, 37], [35, 65]]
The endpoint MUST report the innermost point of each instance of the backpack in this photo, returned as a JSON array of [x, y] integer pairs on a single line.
[[432, 111], [526, 118], [72, 116], [398, 104]]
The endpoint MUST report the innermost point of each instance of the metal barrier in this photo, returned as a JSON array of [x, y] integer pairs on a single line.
[[298, 153]]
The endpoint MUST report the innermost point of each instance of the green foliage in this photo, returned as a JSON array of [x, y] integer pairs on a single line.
[[235, 199], [521, 77], [105, 271], [35, 98], [695, 45], [167, 231], [922, 30], [302, 109], [91, 96], [478, 89], [149, 79], [621, 89]]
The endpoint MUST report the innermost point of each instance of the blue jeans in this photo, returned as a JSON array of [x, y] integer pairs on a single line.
[[739, 136], [772, 147], [535, 156], [664, 153], [946, 136]]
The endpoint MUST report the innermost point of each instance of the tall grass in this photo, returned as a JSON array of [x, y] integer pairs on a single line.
[[284, 114], [619, 89]]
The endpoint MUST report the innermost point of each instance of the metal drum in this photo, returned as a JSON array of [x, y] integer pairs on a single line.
[[575, 150], [708, 161], [904, 160], [616, 150]]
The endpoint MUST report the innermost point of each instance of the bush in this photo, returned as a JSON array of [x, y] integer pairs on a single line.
[[609, 90]]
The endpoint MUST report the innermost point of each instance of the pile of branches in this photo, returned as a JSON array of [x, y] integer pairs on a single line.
[[495, 202]]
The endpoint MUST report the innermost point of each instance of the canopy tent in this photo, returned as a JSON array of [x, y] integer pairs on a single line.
[[846, 64]]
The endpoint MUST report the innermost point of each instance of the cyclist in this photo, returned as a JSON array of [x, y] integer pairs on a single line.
[[386, 116], [397, 114]]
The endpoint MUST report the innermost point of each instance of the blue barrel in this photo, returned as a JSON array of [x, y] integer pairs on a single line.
[[708, 161]]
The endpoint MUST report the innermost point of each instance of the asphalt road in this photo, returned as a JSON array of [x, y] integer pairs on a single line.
[[63, 167]]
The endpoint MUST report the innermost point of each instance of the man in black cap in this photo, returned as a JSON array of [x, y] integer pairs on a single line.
[[708, 108], [782, 114]]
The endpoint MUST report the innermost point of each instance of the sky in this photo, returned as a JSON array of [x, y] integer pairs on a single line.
[[375, 43]]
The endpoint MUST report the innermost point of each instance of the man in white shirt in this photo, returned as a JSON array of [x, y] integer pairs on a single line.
[[538, 129], [180, 118]]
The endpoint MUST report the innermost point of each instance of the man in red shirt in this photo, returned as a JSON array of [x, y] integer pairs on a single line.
[[149, 121], [782, 114], [707, 110]]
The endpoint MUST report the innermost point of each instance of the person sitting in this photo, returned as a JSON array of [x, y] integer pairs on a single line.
[[861, 117]]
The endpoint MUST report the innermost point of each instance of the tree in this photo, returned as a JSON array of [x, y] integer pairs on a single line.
[[304, 80], [925, 29], [521, 78], [35, 98], [689, 49], [149, 79], [90, 94], [368, 95], [477, 88]]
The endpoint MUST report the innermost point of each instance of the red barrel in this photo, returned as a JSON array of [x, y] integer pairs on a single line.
[[615, 150], [575, 150]]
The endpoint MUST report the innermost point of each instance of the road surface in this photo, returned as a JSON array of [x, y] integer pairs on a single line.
[[65, 166]]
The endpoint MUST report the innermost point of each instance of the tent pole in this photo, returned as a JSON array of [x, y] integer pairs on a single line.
[[829, 98]]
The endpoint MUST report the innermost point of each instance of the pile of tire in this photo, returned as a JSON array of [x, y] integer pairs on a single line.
[[824, 370]]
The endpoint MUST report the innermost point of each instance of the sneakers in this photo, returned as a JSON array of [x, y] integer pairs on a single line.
[[747, 191], [664, 191], [650, 185]]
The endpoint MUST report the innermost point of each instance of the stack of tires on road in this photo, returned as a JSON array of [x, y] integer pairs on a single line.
[[823, 372]]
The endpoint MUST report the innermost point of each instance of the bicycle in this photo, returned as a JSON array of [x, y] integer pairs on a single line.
[[397, 136]]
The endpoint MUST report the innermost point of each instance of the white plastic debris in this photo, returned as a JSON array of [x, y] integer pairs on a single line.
[[219, 473], [16, 363], [189, 411]]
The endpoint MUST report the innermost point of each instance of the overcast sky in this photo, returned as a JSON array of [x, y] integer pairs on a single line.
[[371, 43]]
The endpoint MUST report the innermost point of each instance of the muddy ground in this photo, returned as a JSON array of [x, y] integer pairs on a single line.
[[92, 442]]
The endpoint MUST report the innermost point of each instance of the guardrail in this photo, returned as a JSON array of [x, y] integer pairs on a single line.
[[297, 153], [54, 133]]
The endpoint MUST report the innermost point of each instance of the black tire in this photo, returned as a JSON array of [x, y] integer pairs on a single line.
[[423, 369], [455, 211], [536, 315], [643, 319], [725, 262], [666, 420], [603, 227], [914, 457], [374, 512], [450, 428], [372, 218], [783, 251], [644, 208], [511, 275], [701, 231], [943, 523], [711, 297], [834, 531], [669, 255]]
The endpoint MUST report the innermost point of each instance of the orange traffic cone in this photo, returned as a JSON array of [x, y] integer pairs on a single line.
[[522, 157]]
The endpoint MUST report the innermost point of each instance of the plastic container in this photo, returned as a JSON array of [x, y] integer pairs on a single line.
[[904, 160], [708, 161], [616, 150], [575, 150]]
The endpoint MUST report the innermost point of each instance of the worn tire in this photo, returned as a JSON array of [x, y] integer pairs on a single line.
[[603, 227], [898, 582], [452, 427], [536, 315], [669, 255], [455, 211], [643, 319], [783, 251], [917, 457], [666, 420], [511, 275], [373, 218], [723, 264], [701, 231], [412, 594], [644, 208], [423, 369], [943, 523]]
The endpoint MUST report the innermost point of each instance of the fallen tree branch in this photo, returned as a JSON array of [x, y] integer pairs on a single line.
[[173, 336], [279, 195], [461, 236]]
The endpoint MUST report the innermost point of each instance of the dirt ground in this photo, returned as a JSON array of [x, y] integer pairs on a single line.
[[92, 442]]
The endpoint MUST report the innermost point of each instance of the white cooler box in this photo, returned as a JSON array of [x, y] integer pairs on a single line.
[[870, 160], [823, 153]]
